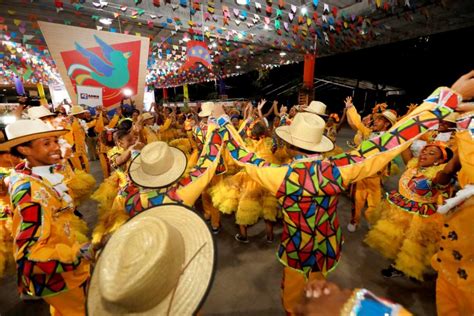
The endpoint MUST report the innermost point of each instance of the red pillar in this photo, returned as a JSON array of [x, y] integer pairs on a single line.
[[308, 74]]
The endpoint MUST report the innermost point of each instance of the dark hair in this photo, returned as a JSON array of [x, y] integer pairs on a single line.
[[125, 124], [449, 153], [301, 150], [136, 111], [259, 130], [15, 152], [119, 134]]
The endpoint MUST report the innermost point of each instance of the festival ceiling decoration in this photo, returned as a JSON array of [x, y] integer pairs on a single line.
[[237, 36]]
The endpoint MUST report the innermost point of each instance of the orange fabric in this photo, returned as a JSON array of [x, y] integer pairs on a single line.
[[210, 211], [452, 300], [366, 191], [69, 303], [292, 290]]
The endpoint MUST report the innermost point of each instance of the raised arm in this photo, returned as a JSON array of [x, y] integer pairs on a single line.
[[191, 187], [354, 118], [375, 153]]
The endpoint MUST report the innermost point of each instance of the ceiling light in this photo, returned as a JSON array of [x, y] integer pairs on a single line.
[[214, 44], [241, 2], [266, 27], [237, 67], [282, 54], [304, 11], [105, 21]]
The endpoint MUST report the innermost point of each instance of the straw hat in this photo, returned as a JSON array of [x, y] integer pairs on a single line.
[[37, 112], [76, 110], [306, 132], [147, 116], [158, 165], [161, 262], [206, 109], [316, 107], [22, 131], [390, 115]]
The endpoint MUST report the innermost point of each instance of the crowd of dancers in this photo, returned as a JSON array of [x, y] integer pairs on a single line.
[[234, 160]]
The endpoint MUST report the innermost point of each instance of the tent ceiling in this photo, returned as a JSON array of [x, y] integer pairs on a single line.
[[241, 37]]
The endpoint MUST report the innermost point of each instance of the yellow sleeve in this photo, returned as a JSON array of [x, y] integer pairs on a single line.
[[270, 176], [99, 126], [356, 121], [91, 123], [113, 122], [372, 155], [166, 125], [191, 187]]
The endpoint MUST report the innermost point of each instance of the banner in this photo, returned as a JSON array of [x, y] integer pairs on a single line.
[[185, 92], [59, 94], [113, 62], [90, 96]]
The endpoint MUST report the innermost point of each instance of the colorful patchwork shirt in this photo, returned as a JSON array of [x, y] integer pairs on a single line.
[[135, 199], [45, 248], [307, 188]]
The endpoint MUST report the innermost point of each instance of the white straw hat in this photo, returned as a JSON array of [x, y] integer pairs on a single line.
[[316, 107], [390, 115], [158, 165], [306, 132], [161, 262], [206, 109], [76, 110], [22, 131], [147, 116], [37, 112]]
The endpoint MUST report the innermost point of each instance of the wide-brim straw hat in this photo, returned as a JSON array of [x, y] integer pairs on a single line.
[[161, 262], [206, 109], [306, 131], [23, 131], [390, 115], [76, 110], [38, 112], [158, 165], [316, 107], [147, 116]]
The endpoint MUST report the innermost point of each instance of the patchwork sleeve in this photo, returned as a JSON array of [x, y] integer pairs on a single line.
[[269, 175], [191, 187], [33, 239], [373, 154]]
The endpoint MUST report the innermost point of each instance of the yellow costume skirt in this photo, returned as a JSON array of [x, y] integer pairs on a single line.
[[81, 185], [410, 240], [250, 201]]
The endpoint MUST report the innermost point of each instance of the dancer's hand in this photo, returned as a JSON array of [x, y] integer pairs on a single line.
[[348, 102], [465, 86], [323, 298]]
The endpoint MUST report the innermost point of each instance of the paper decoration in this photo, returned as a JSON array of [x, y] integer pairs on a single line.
[[20, 90], [185, 92]]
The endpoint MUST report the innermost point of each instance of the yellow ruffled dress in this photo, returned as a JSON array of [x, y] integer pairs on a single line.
[[241, 195], [409, 229]]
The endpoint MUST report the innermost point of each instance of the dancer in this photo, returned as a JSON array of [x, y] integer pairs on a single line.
[[51, 264], [454, 258], [307, 189], [369, 190], [409, 228]]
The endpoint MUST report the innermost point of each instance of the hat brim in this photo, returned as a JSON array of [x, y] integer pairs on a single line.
[[43, 116], [314, 112], [195, 282], [204, 113], [176, 171], [83, 111], [324, 145], [5, 146]]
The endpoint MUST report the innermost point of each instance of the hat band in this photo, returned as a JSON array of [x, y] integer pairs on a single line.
[[179, 277]]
